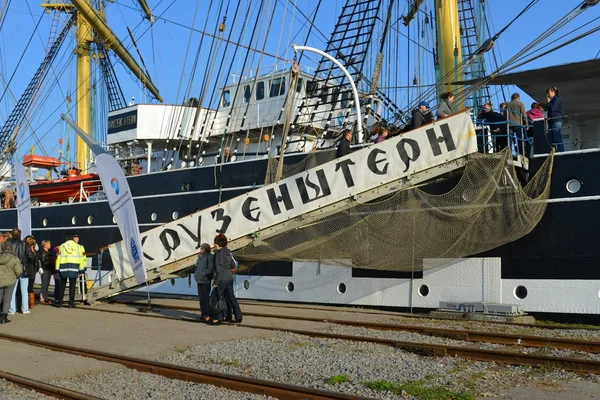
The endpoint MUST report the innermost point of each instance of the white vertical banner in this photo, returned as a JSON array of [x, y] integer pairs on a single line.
[[120, 201], [22, 200]]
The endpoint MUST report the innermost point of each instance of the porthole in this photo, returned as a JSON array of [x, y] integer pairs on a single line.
[[289, 287], [520, 292], [423, 290], [573, 185], [175, 215], [341, 288], [233, 158], [153, 216], [45, 222], [246, 284], [90, 219], [114, 220], [172, 281], [74, 220]]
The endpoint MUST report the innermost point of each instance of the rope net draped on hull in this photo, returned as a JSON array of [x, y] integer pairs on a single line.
[[487, 208]]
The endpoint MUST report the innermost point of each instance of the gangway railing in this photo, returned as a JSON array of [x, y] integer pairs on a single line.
[[395, 164]]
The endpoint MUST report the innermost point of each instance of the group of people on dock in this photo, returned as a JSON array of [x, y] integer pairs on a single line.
[[21, 260]]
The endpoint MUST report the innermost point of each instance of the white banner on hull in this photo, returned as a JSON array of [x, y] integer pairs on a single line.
[[23, 201], [120, 201], [393, 159]]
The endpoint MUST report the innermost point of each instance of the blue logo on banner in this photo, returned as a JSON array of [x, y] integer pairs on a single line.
[[114, 183], [134, 251], [22, 189]]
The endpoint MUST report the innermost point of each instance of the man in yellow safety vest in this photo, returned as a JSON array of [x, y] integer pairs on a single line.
[[70, 264]]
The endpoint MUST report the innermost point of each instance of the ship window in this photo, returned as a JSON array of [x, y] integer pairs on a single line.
[[345, 99], [325, 95], [277, 87], [335, 95], [299, 85], [246, 93], [341, 288], [74, 220], [175, 215], [423, 290], [260, 90], [114, 220], [311, 87], [45, 222], [573, 185], [226, 98], [90, 219], [153, 216], [186, 187], [289, 287], [246, 284], [520, 292]]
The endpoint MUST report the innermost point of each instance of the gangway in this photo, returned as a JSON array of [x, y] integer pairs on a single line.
[[395, 164]]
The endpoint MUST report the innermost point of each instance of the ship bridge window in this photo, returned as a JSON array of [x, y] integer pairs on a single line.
[[226, 102], [246, 94], [345, 99], [311, 88], [335, 95], [260, 90], [325, 95], [277, 87], [299, 83]]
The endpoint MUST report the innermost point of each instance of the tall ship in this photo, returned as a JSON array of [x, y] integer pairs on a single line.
[[249, 110]]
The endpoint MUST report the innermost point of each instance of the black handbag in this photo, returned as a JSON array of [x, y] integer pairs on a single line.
[[216, 303]]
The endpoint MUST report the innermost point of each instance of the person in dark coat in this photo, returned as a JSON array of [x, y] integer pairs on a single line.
[[21, 250], [45, 256], [205, 266], [418, 115], [10, 271], [497, 125], [30, 267], [554, 108], [344, 145], [225, 268]]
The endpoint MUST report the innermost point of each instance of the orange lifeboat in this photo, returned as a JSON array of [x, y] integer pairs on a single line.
[[32, 160], [64, 189]]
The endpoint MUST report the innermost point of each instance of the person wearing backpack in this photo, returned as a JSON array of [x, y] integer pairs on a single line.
[[223, 282], [205, 266]]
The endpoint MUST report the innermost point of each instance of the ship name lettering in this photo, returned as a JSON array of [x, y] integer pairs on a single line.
[[219, 215], [435, 140], [195, 237], [146, 255], [345, 167], [403, 153], [164, 239], [321, 189], [247, 210], [283, 197], [372, 162]]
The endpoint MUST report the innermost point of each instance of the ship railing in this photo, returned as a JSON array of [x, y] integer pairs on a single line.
[[89, 189], [495, 136]]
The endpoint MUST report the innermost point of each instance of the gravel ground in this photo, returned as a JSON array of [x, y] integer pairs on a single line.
[[314, 362], [10, 391], [404, 336], [579, 334], [125, 384]]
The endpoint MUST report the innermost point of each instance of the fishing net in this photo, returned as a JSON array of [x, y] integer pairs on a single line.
[[487, 207]]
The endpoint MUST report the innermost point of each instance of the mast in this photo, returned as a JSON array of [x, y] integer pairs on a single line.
[[84, 77], [449, 48]]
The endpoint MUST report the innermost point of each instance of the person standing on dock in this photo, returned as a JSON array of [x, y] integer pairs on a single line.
[[45, 257], [70, 264], [205, 266], [21, 250], [224, 270], [10, 271]]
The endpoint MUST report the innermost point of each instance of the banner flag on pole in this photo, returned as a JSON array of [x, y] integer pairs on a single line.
[[23, 201]]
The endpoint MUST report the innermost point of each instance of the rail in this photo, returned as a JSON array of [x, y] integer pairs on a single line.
[[44, 388]]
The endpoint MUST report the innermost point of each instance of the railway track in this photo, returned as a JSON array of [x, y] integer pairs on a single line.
[[172, 371], [510, 354], [458, 334], [44, 388]]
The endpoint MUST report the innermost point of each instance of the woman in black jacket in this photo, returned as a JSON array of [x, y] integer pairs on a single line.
[[30, 267], [205, 266], [45, 256], [224, 270]]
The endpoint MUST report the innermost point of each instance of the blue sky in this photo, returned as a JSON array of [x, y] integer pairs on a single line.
[[164, 47]]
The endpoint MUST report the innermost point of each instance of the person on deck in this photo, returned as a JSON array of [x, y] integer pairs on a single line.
[[496, 123], [555, 113], [418, 118], [225, 268], [517, 118], [10, 271], [205, 266], [535, 112], [70, 264], [344, 145], [226, 157], [45, 257], [445, 108]]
